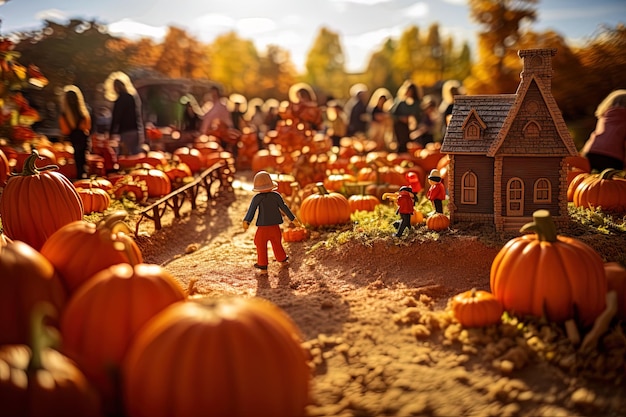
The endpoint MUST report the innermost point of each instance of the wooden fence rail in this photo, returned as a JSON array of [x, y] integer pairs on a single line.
[[218, 177]]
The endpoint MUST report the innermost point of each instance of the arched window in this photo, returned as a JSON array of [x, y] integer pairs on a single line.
[[542, 192], [532, 130], [472, 131], [469, 188]]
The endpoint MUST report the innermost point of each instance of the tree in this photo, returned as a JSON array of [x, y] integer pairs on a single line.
[[234, 62], [380, 71], [181, 55], [276, 73], [325, 64], [498, 65], [408, 55]]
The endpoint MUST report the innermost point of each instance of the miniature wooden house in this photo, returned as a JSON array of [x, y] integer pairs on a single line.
[[507, 151]]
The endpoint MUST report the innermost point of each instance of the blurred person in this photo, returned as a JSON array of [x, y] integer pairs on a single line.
[[75, 124], [336, 123], [381, 126], [304, 107], [406, 112], [449, 89], [356, 108], [606, 146], [126, 117], [425, 132], [216, 110]]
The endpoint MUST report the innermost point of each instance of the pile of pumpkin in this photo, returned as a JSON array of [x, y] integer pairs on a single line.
[[89, 329], [558, 279]]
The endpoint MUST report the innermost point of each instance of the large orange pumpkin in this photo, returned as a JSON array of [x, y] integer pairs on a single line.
[[605, 190], [37, 380], [37, 202], [81, 249], [103, 316], [476, 308], [238, 357], [324, 208], [574, 183], [26, 279], [547, 275]]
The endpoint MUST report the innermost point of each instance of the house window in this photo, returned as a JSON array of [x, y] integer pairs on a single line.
[[542, 191], [472, 131], [469, 188], [531, 130]]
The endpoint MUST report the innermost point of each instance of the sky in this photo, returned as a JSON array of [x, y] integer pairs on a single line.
[[362, 25]]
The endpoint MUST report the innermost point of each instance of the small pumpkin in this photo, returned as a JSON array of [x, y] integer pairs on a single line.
[[574, 183], [37, 380], [476, 308], [95, 200], [295, 234], [324, 208], [363, 202], [606, 190], [81, 249], [94, 182], [238, 357], [547, 275], [417, 217], [26, 279], [37, 202], [131, 188], [105, 314], [157, 181], [616, 280], [437, 222]]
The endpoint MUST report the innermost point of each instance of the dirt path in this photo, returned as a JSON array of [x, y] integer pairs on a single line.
[[374, 319]]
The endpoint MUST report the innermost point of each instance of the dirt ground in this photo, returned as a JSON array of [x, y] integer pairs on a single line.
[[375, 321]]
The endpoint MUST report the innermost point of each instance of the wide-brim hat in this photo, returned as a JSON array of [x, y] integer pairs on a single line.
[[358, 88], [293, 92], [263, 182], [434, 175]]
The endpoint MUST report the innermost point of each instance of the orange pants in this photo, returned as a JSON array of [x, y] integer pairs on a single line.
[[273, 235]]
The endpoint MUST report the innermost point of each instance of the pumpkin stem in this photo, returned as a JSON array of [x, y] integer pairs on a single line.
[[543, 225], [473, 292], [110, 226], [321, 188], [609, 173], [41, 336], [31, 169]]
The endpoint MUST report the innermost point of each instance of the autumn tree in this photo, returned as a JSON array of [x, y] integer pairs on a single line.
[[80, 53], [143, 53], [497, 69], [408, 55], [181, 55], [380, 71], [325, 64], [234, 62], [276, 73]]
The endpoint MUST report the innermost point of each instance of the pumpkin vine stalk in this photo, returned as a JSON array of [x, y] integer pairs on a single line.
[[30, 168], [41, 336]]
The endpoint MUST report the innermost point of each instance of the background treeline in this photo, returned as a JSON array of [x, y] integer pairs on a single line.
[[83, 53]]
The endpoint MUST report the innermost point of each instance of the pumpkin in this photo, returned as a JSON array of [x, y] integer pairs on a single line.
[[131, 188], [605, 190], [238, 357], [178, 172], [81, 249], [94, 182], [5, 169], [295, 234], [95, 200], [616, 281], [191, 157], [157, 181], [363, 202], [105, 314], [335, 182], [574, 183], [476, 308], [26, 279], [324, 208], [39, 381], [437, 222], [547, 275], [417, 217], [37, 202]]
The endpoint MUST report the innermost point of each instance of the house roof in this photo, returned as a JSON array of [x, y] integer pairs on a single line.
[[492, 111]]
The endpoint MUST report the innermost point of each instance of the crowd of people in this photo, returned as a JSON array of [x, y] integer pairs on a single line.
[[391, 122]]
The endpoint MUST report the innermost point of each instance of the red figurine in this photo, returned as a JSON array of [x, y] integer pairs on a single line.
[[437, 192], [405, 198]]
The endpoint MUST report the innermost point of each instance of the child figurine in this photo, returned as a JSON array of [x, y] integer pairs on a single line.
[[271, 206], [406, 201], [436, 192]]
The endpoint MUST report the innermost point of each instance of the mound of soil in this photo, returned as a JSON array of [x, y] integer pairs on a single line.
[[374, 318]]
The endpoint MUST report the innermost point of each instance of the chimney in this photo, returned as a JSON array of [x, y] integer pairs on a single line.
[[538, 62]]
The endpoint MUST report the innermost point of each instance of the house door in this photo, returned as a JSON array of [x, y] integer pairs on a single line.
[[515, 197]]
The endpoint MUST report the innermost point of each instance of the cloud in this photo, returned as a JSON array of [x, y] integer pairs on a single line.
[[255, 26], [418, 10], [131, 29], [365, 2]]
